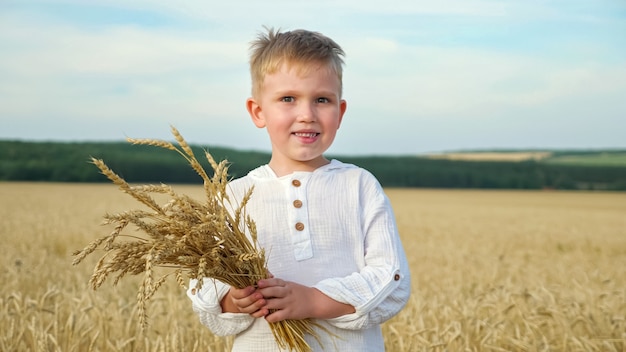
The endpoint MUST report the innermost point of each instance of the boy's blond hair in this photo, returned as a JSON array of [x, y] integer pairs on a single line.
[[299, 48]]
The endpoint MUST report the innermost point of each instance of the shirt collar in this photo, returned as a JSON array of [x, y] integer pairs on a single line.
[[265, 171]]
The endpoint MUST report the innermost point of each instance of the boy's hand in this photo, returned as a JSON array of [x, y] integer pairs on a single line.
[[289, 300], [245, 300]]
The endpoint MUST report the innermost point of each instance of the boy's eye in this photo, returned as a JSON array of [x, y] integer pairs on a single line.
[[323, 100], [287, 99]]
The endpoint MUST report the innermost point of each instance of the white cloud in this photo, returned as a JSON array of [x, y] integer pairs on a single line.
[[60, 49], [301, 9], [122, 72]]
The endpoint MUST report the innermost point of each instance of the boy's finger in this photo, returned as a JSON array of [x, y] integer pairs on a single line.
[[273, 292], [251, 304], [260, 313], [276, 316], [270, 282], [242, 293]]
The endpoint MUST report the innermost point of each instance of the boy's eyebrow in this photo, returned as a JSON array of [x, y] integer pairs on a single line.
[[283, 93], [321, 92]]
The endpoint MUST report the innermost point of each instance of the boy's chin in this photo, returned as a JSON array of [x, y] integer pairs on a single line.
[[315, 162]]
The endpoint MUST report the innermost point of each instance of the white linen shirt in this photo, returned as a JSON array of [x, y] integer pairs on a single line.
[[332, 229]]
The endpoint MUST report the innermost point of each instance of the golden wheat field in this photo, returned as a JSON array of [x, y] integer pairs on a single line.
[[491, 271]]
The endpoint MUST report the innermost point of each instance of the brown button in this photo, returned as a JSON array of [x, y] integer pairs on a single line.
[[299, 226], [296, 183], [297, 203], [396, 277]]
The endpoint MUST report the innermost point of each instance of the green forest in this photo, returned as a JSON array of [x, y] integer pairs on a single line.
[[70, 162]]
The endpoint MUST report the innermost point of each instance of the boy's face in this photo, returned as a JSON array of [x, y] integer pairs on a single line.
[[301, 110]]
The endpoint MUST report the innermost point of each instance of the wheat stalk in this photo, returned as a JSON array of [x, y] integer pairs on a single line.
[[202, 239]]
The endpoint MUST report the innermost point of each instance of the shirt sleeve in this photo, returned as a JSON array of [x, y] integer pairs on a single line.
[[206, 303], [382, 287]]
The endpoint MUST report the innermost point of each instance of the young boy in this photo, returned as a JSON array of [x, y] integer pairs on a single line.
[[328, 228]]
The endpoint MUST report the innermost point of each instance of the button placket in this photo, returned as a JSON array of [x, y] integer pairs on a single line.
[[300, 235], [299, 226]]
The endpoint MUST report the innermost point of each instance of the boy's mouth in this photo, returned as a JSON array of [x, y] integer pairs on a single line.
[[306, 134]]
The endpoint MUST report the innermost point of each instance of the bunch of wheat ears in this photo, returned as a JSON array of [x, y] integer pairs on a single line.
[[185, 236]]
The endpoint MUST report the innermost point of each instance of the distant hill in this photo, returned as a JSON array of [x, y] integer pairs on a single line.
[[609, 157], [509, 169]]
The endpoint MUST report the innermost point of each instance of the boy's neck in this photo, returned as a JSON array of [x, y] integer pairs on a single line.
[[282, 169]]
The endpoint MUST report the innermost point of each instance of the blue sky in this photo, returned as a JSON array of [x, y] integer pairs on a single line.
[[420, 76]]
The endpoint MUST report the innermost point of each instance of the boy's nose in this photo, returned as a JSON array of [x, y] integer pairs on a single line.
[[306, 112]]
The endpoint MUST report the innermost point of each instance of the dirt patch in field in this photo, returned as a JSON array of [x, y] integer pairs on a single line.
[[493, 156]]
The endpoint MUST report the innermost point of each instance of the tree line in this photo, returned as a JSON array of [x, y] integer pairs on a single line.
[[70, 162]]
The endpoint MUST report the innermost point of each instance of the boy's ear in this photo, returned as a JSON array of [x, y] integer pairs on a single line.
[[343, 105], [256, 113]]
